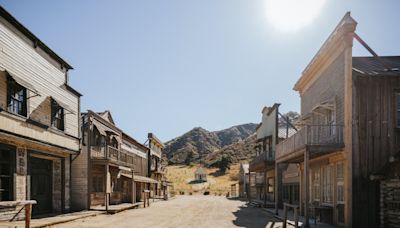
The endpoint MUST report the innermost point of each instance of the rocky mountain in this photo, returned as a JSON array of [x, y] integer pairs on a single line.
[[242, 150], [198, 144]]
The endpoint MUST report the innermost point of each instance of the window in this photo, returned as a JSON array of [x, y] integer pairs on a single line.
[[97, 139], [57, 116], [16, 98], [114, 142], [270, 182], [327, 184], [398, 110], [340, 182], [97, 184], [316, 183]]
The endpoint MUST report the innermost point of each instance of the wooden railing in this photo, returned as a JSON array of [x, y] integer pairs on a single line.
[[295, 208], [26, 204], [311, 135], [114, 154], [263, 157]]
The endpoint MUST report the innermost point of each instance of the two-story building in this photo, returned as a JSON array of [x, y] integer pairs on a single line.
[[269, 132], [157, 170], [347, 149], [39, 121], [140, 155]]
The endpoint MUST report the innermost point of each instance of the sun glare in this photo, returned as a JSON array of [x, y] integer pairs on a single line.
[[292, 15]]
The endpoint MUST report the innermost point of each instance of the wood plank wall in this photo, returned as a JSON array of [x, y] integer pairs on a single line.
[[375, 140]]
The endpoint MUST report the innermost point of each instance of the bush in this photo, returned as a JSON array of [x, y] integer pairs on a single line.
[[206, 193]]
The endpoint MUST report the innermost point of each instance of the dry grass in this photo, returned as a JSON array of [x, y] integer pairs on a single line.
[[216, 184]]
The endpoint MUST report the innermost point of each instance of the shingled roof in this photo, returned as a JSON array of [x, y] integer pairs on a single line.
[[382, 65]]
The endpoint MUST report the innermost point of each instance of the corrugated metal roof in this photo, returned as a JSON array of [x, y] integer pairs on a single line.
[[387, 65]]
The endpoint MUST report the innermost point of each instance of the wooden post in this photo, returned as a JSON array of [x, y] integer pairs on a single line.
[[107, 189], [265, 188], [249, 193], [306, 188], [28, 212], [296, 217], [276, 192], [284, 215]]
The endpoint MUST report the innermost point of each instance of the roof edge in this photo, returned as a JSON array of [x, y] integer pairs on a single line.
[[26, 32]]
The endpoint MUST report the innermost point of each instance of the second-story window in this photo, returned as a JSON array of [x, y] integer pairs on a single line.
[[57, 116], [16, 98], [114, 142]]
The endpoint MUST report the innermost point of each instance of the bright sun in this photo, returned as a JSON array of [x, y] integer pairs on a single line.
[[292, 15]]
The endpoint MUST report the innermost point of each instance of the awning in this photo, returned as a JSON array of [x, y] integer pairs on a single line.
[[22, 82], [101, 128], [63, 105], [144, 179], [323, 106]]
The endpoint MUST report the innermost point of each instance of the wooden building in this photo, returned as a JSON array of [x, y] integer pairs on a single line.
[[269, 132], [104, 171], [157, 170], [200, 175], [39, 121], [347, 150], [243, 180], [140, 155]]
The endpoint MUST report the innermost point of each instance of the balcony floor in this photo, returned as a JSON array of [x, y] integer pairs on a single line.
[[314, 150]]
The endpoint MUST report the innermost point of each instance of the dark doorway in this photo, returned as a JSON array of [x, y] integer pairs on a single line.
[[7, 164], [41, 171]]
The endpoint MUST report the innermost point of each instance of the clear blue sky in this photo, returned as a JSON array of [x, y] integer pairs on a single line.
[[166, 66]]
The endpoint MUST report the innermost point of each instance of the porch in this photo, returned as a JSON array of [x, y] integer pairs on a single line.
[[315, 143]]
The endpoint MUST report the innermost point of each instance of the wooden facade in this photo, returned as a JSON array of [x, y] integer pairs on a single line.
[[347, 150], [157, 170], [243, 180], [269, 133], [39, 116]]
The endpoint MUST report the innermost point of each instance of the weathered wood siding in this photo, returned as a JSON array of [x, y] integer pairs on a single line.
[[19, 57], [375, 139], [80, 177], [329, 85]]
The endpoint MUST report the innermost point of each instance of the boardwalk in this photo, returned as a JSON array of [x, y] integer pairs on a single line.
[[185, 211]]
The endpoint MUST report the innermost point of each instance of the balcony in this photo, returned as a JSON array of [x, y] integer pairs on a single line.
[[112, 154], [264, 161], [318, 139]]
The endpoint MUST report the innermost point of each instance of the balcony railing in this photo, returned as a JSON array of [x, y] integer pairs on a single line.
[[111, 153], [261, 160], [311, 135]]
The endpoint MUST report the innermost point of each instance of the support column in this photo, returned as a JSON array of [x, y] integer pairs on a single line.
[[276, 190], [265, 188], [249, 193], [306, 188], [107, 187]]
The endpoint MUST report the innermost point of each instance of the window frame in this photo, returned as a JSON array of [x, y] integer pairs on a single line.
[[57, 116], [270, 186], [12, 88], [339, 183]]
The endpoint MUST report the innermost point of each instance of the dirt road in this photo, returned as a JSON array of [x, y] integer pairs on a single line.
[[185, 211]]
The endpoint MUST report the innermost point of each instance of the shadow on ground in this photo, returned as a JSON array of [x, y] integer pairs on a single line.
[[251, 217], [217, 173]]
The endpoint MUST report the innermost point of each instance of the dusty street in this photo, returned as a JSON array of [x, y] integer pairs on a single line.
[[185, 211]]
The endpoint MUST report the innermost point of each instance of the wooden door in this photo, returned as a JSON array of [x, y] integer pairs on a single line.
[[7, 164], [41, 171]]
